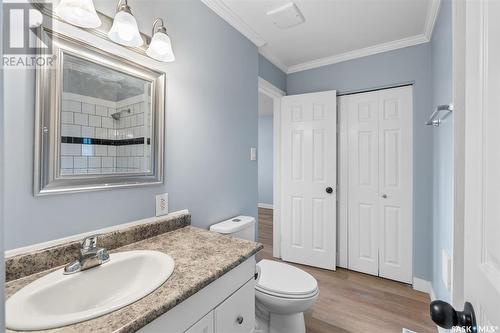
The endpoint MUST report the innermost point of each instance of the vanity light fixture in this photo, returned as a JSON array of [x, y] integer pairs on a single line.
[[78, 12], [160, 47], [124, 30]]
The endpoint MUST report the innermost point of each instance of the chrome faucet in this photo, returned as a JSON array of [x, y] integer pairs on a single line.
[[90, 256]]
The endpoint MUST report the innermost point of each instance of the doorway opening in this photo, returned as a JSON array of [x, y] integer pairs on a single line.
[[331, 282], [268, 165], [265, 173]]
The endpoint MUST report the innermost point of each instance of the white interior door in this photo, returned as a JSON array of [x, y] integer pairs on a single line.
[[363, 192], [308, 179], [380, 183], [482, 155], [395, 184]]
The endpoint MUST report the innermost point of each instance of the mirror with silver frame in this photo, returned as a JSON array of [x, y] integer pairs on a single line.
[[99, 121]]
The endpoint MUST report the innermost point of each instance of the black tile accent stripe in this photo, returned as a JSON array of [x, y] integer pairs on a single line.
[[105, 142]]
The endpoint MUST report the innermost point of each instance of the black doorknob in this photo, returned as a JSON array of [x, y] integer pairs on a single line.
[[329, 190], [445, 316]]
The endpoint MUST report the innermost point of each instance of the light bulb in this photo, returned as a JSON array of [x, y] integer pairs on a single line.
[[124, 30], [78, 12], [161, 48]]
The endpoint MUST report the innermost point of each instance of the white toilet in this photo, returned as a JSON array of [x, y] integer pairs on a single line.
[[282, 292]]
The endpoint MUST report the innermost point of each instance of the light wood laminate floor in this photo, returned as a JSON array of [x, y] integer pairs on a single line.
[[355, 302]]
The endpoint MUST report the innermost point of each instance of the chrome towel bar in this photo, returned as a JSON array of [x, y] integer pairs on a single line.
[[441, 112]]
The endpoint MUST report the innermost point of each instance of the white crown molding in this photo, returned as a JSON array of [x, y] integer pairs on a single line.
[[430, 20], [367, 51], [270, 89], [220, 8], [264, 51]]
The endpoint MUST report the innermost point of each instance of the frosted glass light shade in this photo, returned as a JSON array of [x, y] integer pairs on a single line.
[[161, 48], [78, 12], [125, 31]]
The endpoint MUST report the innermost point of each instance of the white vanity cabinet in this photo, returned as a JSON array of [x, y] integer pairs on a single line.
[[204, 325], [226, 305], [235, 315]]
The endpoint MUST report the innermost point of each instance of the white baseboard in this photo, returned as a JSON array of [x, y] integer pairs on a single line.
[[264, 205], [422, 285], [426, 287], [432, 294]]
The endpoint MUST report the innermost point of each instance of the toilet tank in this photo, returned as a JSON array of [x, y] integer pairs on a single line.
[[240, 227]]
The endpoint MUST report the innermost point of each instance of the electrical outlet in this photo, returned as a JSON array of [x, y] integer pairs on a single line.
[[161, 204], [446, 269], [253, 154]]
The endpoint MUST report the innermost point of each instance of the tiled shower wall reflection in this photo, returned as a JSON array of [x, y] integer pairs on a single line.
[[93, 142]]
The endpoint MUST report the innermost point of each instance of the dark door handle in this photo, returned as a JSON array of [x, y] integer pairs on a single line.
[[445, 316], [329, 190]]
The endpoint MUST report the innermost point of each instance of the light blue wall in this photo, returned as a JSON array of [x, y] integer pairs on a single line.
[[265, 159], [441, 45], [411, 64], [211, 123], [271, 73]]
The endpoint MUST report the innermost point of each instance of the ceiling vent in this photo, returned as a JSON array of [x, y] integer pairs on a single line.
[[286, 16]]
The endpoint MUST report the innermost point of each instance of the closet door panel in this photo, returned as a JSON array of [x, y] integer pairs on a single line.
[[363, 201], [395, 215]]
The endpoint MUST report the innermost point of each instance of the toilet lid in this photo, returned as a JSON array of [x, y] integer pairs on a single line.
[[284, 279]]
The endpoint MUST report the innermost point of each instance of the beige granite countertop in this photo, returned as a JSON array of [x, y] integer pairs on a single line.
[[200, 258]]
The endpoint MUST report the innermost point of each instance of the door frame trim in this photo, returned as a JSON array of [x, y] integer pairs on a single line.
[[460, 94], [270, 90]]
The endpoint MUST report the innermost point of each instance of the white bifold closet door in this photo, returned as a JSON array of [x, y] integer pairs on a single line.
[[308, 179], [380, 183]]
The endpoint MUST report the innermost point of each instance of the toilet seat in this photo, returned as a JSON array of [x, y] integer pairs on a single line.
[[288, 297], [285, 281]]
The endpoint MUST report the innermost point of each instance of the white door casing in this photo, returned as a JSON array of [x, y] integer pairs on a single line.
[[308, 168], [380, 183], [482, 162]]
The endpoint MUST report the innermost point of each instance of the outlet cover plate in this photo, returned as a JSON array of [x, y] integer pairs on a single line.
[[253, 154], [161, 204], [446, 269]]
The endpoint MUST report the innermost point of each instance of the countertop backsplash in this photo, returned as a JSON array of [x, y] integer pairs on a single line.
[[29, 263]]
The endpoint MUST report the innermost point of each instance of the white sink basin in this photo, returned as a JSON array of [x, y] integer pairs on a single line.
[[57, 300]]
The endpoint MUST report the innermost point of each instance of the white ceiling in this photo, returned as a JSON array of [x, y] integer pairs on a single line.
[[265, 105], [334, 30]]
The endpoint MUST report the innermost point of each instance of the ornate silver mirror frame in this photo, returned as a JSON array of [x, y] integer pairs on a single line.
[[48, 178]]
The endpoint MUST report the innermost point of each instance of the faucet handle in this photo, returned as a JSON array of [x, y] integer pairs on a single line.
[[103, 255], [89, 243]]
